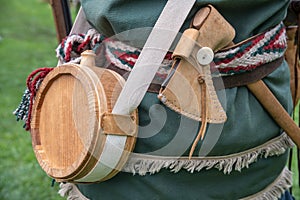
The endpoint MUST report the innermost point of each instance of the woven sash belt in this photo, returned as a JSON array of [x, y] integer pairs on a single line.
[[250, 60], [244, 63]]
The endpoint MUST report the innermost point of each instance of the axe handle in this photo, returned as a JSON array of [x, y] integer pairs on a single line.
[[275, 109]]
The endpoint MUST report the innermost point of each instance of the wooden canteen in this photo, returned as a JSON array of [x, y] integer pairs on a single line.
[[75, 137]]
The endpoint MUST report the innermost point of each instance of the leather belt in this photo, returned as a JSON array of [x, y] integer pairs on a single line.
[[247, 77], [223, 82]]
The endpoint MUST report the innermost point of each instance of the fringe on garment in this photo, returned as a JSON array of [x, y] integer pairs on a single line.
[[273, 191], [71, 191], [143, 164], [276, 189]]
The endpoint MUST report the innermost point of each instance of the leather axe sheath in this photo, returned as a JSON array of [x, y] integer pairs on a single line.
[[260, 90]]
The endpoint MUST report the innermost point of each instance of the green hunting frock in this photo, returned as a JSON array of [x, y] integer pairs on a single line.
[[251, 152]]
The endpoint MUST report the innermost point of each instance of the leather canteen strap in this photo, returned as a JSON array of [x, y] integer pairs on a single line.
[[113, 124], [155, 48]]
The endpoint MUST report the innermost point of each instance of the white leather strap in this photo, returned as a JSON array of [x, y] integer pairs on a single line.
[[155, 49]]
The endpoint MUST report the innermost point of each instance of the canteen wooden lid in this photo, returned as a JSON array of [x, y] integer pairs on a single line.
[[66, 130]]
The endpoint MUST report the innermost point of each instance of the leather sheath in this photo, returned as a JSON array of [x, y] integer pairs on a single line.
[[190, 90]]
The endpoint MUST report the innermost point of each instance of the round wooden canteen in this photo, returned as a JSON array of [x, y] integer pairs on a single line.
[[74, 135]]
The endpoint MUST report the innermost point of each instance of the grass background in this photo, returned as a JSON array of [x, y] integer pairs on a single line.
[[27, 41]]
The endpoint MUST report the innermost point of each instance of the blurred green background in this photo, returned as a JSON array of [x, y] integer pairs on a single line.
[[27, 41]]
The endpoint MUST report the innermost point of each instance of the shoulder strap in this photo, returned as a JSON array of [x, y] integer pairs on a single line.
[[153, 53], [157, 45]]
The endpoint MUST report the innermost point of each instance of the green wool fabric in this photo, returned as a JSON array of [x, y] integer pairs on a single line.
[[207, 185], [248, 124], [247, 17]]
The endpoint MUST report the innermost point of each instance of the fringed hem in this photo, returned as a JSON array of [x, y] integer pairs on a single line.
[[142, 164], [71, 191], [276, 189]]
